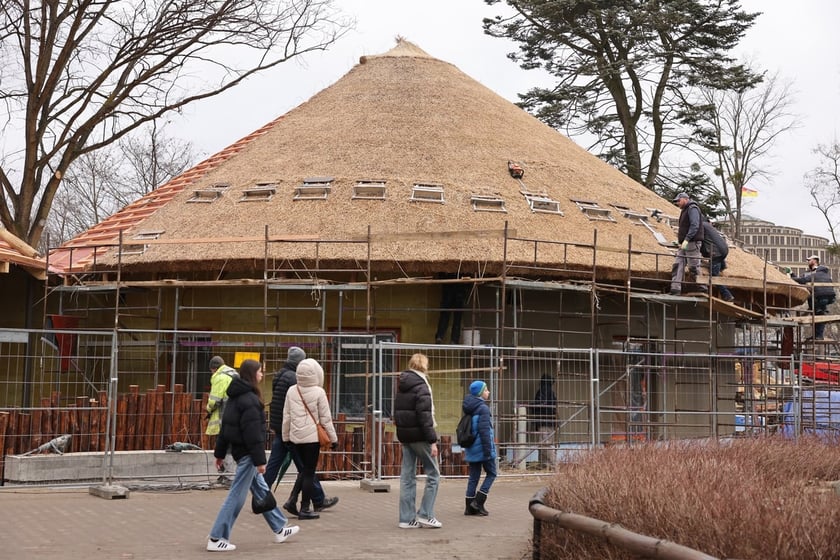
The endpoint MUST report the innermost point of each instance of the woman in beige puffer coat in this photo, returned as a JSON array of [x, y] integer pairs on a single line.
[[299, 427]]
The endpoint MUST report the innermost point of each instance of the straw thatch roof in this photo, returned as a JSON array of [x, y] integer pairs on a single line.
[[402, 118]]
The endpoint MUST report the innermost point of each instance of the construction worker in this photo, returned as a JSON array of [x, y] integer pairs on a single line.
[[221, 376]]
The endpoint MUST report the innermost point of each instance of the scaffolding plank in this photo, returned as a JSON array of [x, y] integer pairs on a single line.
[[802, 320], [728, 308]]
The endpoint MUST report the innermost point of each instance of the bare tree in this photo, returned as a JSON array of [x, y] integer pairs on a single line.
[[99, 183], [739, 128], [77, 76], [823, 182], [148, 161], [85, 197]]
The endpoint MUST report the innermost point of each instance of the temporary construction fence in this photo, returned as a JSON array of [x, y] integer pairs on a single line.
[[147, 390], [49, 389]]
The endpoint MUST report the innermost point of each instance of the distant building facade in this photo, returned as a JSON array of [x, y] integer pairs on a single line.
[[785, 246]]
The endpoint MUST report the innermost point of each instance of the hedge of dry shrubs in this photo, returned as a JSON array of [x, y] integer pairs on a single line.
[[748, 498]]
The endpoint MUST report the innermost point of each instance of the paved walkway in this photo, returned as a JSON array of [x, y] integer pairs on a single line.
[[173, 524]]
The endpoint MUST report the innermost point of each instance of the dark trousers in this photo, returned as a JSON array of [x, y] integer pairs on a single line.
[[308, 453], [451, 303], [489, 467], [820, 306], [279, 450]]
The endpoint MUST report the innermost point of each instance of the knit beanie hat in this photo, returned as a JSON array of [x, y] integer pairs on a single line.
[[296, 354], [477, 388]]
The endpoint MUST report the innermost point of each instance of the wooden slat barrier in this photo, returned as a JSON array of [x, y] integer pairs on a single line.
[[157, 418]]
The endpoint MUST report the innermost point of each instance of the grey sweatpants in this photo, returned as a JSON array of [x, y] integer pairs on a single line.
[[691, 258]]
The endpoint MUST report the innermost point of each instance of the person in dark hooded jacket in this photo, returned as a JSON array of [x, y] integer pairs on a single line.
[[714, 247], [414, 416], [243, 433], [482, 453]]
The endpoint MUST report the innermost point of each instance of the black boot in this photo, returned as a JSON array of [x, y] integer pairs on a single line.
[[326, 504], [306, 513], [291, 503], [469, 509], [478, 503], [291, 506]]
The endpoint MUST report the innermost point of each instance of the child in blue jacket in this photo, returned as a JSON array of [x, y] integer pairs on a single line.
[[482, 453]]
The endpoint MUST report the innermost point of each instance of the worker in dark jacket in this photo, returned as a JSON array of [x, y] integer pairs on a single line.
[[689, 237], [714, 247], [482, 453], [414, 416], [821, 296], [282, 451], [243, 432]]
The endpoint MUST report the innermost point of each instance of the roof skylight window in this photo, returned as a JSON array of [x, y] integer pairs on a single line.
[[426, 192]]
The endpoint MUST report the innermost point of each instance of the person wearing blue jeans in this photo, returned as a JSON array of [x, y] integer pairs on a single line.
[[481, 455], [414, 416], [243, 433], [283, 379], [246, 478], [715, 248], [424, 516]]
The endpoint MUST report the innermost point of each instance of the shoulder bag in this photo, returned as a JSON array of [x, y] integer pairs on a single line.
[[264, 504], [323, 436]]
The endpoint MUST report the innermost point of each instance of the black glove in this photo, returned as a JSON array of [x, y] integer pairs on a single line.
[[334, 445]]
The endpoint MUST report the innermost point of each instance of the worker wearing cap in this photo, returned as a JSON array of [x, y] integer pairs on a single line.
[[821, 296], [690, 237]]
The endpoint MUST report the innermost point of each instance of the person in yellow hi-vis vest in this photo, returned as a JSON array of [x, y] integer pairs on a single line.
[[220, 380]]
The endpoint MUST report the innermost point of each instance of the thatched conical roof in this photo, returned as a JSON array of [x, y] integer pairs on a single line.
[[403, 118]]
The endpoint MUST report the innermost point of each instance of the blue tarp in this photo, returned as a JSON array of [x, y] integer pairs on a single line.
[[820, 414]]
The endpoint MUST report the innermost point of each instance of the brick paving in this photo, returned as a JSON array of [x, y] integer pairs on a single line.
[[173, 524]]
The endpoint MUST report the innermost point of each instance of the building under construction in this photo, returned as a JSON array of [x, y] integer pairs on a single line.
[[408, 208]]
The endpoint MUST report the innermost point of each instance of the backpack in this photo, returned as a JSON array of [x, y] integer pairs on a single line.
[[464, 432]]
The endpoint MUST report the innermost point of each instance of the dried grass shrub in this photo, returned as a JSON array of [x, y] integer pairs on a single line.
[[746, 499]]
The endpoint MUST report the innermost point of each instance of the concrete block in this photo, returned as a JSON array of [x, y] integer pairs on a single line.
[[109, 491], [374, 485]]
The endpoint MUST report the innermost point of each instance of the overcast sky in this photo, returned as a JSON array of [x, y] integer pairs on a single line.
[[800, 40]]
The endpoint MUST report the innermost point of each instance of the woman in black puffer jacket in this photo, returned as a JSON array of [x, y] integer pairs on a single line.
[[243, 431]]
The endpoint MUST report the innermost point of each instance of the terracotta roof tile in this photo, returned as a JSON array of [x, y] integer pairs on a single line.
[[107, 231]]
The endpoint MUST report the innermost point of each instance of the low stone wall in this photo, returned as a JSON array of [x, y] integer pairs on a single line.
[[84, 467]]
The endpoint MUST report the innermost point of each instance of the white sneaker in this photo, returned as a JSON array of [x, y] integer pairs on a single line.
[[220, 545], [285, 533], [431, 522], [410, 525]]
